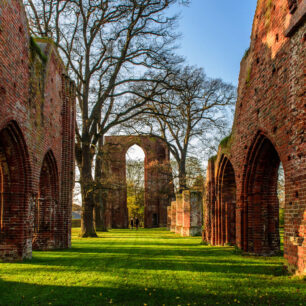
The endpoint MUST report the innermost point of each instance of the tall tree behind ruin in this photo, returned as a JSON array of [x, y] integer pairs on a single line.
[[107, 46], [193, 106], [135, 188]]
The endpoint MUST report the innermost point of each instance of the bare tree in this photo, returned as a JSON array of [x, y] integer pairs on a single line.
[[193, 107], [194, 172], [107, 47]]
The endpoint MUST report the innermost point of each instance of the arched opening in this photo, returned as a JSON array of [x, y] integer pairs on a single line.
[[261, 209], [281, 201], [135, 183], [14, 194], [228, 197], [46, 205], [1, 197], [226, 204]]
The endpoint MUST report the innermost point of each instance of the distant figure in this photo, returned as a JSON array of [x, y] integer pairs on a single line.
[[132, 223], [137, 223]]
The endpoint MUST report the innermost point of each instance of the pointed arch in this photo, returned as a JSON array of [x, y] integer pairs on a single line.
[[260, 213], [14, 193], [137, 191], [225, 206], [46, 206], [158, 178]]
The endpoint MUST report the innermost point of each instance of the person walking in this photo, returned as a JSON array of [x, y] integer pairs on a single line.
[[132, 223], [137, 223]]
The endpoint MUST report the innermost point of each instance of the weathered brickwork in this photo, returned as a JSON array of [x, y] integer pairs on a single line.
[[185, 214], [158, 180], [37, 115], [173, 216], [241, 205]]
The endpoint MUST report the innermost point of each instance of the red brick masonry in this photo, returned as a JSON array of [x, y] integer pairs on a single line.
[[185, 214], [241, 205], [158, 180], [37, 115]]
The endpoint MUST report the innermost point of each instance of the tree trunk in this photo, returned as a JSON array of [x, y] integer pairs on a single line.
[[182, 175], [87, 189], [99, 205], [87, 225], [99, 213]]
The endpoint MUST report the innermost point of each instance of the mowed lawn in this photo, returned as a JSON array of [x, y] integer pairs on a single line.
[[147, 267]]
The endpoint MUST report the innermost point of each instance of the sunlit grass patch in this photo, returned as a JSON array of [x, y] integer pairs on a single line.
[[153, 267]]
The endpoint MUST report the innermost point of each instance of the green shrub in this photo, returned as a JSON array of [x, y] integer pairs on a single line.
[[281, 217], [76, 223]]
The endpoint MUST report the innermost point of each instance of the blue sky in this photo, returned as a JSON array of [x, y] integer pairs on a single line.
[[216, 35]]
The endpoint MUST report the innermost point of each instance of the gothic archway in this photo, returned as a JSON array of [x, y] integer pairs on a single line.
[[14, 194], [158, 188], [260, 220], [46, 206], [225, 210]]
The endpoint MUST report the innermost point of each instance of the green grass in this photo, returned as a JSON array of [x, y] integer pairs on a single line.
[[152, 267]]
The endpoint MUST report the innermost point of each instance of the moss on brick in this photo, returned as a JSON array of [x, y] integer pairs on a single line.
[[248, 77], [225, 141], [213, 158], [37, 50], [246, 53]]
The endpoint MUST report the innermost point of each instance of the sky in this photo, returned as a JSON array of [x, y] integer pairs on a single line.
[[215, 35]]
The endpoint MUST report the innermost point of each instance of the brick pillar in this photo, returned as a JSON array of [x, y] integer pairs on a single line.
[[179, 213], [192, 213], [67, 176], [227, 223], [222, 225], [186, 213], [169, 215], [173, 217], [209, 203]]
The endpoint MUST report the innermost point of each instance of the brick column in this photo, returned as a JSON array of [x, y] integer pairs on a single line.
[[179, 213], [173, 217], [169, 215]]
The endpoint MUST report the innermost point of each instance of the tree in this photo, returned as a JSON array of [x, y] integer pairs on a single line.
[[135, 188], [107, 47], [194, 173], [192, 107]]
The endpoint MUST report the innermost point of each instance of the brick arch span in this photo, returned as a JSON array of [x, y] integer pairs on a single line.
[[271, 98], [220, 198], [46, 213], [260, 210], [226, 202], [158, 180], [15, 197]]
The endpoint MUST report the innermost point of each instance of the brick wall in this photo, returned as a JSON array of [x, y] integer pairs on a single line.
[[269, 128], [185, 213], [158, 180], [36, 140]]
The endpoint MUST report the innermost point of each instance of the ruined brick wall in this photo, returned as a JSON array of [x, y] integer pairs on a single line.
[[158, 180], [173, 216], [269, 128], [185, 214], [37, 116], [169, 215]]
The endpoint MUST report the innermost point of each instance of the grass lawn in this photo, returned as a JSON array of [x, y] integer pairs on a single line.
[[148, 267]]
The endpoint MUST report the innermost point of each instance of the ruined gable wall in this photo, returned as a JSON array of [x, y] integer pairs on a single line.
[[158, 185], [35, 93], [271, 101]]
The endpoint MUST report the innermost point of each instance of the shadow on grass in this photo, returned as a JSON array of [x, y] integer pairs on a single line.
[[118, 270], [18, 293], [203, 259]]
